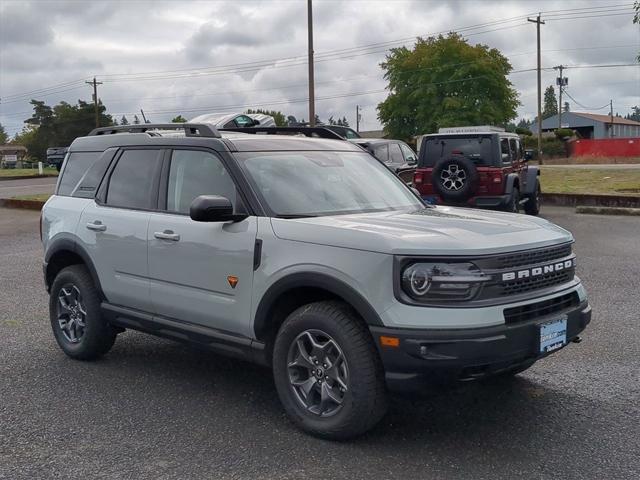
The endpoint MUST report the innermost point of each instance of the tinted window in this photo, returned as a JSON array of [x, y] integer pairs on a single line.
[[193, 173], [504, 149], [476, 148], [75, 167], [132, 179], [395, 154], [515, 151], [381, 152]]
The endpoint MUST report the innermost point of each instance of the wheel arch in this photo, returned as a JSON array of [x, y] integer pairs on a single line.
[[297, 289], [64, 252], [531, 180]]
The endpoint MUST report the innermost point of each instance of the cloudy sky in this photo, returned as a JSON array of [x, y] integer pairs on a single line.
[[192, 57]]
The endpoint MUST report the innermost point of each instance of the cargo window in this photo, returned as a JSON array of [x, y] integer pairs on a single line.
[[75, 166], [382, 153]]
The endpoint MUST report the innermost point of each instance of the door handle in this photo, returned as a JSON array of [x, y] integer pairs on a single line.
[[167, 235], [96, 226]]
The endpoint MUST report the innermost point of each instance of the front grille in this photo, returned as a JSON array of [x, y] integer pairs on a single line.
[[534, 256], [536, 283], [540, 309]]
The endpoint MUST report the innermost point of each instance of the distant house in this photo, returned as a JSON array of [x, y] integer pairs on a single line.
[[592, 125], [10, 155]]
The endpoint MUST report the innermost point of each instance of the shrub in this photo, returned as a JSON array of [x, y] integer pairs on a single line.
[[563, 133]]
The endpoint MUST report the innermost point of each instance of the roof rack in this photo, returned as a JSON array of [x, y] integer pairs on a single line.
[[190, 129], [320, 132]]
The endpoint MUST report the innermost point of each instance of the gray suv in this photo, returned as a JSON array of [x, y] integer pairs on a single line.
[[306, 255]]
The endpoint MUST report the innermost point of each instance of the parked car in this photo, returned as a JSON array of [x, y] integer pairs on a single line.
[[236, 120], [55, 156], [481, 166], [345, 132], [306, 255], [395, 154]]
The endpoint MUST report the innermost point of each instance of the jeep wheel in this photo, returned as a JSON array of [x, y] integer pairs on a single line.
[[455, 179], [76, 320], [514, 201], [327, 371], [532, 206]]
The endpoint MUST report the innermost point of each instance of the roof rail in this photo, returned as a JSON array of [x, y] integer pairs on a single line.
[[320, 132], [190, 129]]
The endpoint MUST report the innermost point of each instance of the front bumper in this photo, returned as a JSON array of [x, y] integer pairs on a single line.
[[426, 355]]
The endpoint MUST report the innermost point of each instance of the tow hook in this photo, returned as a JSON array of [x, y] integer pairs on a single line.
[[578, 339]]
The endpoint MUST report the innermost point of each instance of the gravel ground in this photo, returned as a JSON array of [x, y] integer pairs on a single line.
[[156, 409]]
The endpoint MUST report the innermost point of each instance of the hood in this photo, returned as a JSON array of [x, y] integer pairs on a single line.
[[430, 231]]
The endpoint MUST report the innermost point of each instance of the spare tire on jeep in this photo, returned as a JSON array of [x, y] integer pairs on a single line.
[[455, 178]]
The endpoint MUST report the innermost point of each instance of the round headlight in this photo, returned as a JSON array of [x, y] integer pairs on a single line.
[[419, 281]]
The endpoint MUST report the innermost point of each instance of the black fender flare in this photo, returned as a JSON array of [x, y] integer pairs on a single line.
[[510, 182], [69, 244], [312, 280], [531, 181]]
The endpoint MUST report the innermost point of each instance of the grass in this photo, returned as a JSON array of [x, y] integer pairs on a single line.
[[21, 172], [42, 197], [600, 181]]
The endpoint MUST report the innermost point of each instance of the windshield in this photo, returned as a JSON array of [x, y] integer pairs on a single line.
[[325, 183], [476, 148]]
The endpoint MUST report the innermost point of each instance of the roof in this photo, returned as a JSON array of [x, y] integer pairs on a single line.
[[12, 148], [606, 118]]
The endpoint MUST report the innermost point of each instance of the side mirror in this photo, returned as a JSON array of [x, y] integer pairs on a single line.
[[212, 208], [412, 161], [255, 123]]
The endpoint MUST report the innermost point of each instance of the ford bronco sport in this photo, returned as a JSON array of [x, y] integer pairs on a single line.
[[478, 167], [306, 255]]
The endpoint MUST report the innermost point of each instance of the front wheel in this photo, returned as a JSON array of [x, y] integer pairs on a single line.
[[327, 371], [532, 206]]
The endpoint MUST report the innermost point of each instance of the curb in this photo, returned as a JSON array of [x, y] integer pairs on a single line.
[[24, 204], [591, 200], [608, 210], [24, 177]]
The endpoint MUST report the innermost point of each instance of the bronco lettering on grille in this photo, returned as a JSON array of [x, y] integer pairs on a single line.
[[537, 271]]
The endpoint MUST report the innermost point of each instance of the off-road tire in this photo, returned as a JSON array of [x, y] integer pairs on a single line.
[[98, 336], [514, 200], [365, 401], [469, 187], [532, 206]]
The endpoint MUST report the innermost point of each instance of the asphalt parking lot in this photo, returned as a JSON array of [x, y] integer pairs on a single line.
[[156, 409], [27, 186]]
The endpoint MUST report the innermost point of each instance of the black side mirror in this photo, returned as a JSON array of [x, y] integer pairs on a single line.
[[213, 208]]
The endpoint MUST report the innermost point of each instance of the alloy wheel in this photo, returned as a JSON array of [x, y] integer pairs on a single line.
[[71, 313], [453, 177], [318, 373]]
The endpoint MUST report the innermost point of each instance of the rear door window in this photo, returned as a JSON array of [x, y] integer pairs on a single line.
[[515, 151], [381, 152], [504, 150], [134, 180], [395, 154], [74, 169]]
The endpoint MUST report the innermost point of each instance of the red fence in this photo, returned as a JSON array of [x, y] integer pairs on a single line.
[[605, 147]]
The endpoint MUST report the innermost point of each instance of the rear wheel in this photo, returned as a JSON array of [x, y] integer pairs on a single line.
[[532, 206], [327, 371], [76, 319]]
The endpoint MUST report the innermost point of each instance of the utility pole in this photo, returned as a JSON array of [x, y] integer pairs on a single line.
[[561, 82], [358, 118], [95, 99], [144, 119], [312, 106], [539, 22], [611, 105]]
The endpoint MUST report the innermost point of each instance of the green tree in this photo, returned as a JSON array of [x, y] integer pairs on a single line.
[[58, 126], [566, 107], [550, 105], [279, 117], [124, 121], [179, 119], [634, 115], [4, 137], [445, 82]]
